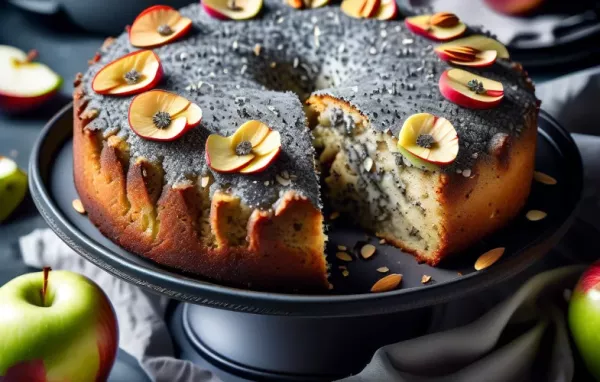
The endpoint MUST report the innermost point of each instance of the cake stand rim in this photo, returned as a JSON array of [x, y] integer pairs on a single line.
[[261, 302]]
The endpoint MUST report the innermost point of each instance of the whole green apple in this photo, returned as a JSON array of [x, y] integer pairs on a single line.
[[13, 187], [584, 318], [56, 326]]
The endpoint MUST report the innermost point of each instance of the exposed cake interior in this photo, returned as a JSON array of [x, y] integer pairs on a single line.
[[368, 178]]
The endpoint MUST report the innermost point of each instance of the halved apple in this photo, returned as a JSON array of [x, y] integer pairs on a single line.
[[162, 116], [232, 9], [440, 26], [429, 138], [388, 10], [133, 73], [158, 25], [249, 150], [470, 90], [478, 42], [24, 84]]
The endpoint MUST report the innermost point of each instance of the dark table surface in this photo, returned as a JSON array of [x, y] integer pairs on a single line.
[[66, 49]]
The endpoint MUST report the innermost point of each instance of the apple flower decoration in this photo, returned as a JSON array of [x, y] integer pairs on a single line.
[[307, 4], [429, 139], [131, 74], [475, 51], [233, 9], [441, 26], [469, 90], [249, 150], [157, 26], [162, 116], [378, 9]]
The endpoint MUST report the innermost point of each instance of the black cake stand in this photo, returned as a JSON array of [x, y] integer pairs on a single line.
[[276, 336]]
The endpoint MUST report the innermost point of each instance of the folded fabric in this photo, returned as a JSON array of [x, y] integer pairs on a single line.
[[487, 349]]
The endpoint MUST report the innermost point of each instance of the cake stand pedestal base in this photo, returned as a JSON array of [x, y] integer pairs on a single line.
[[259, 347]]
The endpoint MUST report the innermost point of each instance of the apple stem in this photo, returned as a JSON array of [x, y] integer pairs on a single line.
[[31, 55], [46, 271]]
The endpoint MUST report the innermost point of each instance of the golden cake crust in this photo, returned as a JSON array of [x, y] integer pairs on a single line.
[[181, 228]]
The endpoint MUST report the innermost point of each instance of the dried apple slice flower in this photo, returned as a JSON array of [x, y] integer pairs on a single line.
[[131, 74], [470, 90], [429, 138], [158, 25], [162, 116], [441, 26], [249, 150]]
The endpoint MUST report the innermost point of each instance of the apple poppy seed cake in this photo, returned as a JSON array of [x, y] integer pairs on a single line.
[[204, 150]]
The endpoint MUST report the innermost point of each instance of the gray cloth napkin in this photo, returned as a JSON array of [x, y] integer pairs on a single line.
[[466, 344]]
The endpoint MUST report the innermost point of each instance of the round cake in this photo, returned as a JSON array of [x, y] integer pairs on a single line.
[[338, 91]]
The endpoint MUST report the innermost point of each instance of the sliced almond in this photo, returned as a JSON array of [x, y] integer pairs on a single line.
[[489, 258], [343, 256], [342, 247], [334, 215], [367, 251], [383, 269], [342, 267], [78, 206], [535, 215], [544, 178], [382, 241], [345, 273], [387, 283], [425, 279], [257, 49]]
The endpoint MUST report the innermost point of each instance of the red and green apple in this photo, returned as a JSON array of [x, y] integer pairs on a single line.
[[584, 318], [13, 187], [56, 326], [24, 84]]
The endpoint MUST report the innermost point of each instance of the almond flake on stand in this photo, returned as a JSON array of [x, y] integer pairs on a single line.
[[342, 247], [425, 279], [387, 283], [345, 273], [343, 256], [489, 258], [544, 178], [535, 215], [383, 269], [367, 251], [78, 206]]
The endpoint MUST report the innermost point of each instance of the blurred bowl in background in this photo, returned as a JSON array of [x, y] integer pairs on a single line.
[[108, 17]]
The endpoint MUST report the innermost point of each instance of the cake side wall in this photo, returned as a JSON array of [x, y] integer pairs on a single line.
[[114, 197], [476, 206]]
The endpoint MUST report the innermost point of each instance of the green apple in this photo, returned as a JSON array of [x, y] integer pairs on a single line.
[[584, 318], [24, 84], [13, 186], [56, 326]]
